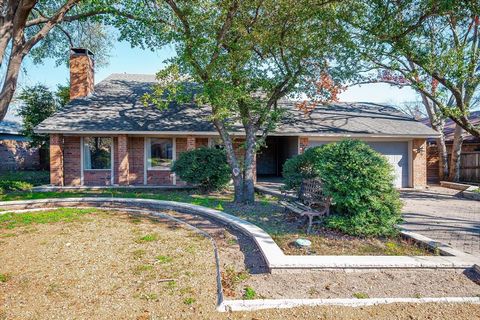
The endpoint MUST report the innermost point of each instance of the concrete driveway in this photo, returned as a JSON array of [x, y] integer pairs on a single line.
[[441, 215]]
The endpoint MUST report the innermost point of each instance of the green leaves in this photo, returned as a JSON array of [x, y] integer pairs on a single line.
[[432, 46], [360, 182], [206, 167], [38, 103]]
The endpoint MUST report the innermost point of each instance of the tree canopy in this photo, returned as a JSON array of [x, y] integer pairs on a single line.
[[240, 58], [36, 104], [432, 46]]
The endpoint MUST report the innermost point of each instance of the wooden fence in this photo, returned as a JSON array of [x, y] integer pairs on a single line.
[[470, 167]]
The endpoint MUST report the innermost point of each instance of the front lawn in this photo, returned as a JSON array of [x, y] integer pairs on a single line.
[[266, 213], [94, 264]]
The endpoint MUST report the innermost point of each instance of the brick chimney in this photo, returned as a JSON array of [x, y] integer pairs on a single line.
[[81, 73]]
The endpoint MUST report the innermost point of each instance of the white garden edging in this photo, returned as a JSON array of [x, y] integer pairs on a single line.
[[252, 305], [274, 257]]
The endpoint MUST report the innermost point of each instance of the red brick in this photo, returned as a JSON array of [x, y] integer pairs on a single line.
[[122, 162], [81, 75], [56, 160], [419, 170], [18, 155]]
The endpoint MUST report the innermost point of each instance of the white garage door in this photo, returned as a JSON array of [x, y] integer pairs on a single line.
[[396, 153]]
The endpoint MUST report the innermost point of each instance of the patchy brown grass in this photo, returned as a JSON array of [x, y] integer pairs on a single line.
[[103, 267], [328, 242]]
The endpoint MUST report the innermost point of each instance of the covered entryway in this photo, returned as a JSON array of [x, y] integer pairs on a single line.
[[272, 156], [396, 153]]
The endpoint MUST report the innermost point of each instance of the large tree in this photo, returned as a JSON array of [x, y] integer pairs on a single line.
[[239, 58], [49, 27], [432, 46]]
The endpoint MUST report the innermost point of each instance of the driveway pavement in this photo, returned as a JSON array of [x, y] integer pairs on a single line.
[[439, 214]]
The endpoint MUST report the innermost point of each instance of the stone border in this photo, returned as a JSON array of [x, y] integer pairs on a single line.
[[443, 248], [472, 195], [275, 259], [252, 305], [458, 186], [272, 192]]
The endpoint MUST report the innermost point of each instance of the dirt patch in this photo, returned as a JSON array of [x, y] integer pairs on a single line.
[[329, 242], [106, 267], [114, 265], [243, 267], [364, 284]]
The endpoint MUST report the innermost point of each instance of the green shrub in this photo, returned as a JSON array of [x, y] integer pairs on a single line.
[[12, 185], [22, 180], [205, 167], [360, 182]]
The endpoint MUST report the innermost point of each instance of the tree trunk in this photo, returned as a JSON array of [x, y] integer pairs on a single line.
[[454, 174], [237, 177], [443, 168], [249, 166], [10, 84]]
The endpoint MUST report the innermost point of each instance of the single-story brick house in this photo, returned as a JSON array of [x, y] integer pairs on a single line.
[[15, 151], [106, 136]]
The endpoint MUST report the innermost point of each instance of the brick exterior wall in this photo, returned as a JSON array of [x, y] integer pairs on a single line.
[[128, 161], [72, 161], [303, 144], [18, 155], [81, 75], [122, 163], [201, 142], [136, 147], [190, 143], [159, 177], [56, 160], [419, 157], [97, 177]]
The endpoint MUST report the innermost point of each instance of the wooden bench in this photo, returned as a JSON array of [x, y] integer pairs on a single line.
[[311, 201]]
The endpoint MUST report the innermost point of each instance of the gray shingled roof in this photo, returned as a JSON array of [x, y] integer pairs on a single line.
[[116, 107], [10, 127]]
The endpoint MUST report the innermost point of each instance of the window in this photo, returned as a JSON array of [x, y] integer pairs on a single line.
[[160, 153], [97, 153], [216, 143]]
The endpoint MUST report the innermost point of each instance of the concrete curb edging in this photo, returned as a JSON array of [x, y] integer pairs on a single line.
[[252, 305], [458, 186], [275, 259], [471, 195], [443, 248]]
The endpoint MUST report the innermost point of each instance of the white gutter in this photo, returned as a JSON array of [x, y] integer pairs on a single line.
[[237, 133]]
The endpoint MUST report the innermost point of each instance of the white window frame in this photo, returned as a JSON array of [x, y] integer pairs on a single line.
[[82, 161], [146, 160], [148, 154]]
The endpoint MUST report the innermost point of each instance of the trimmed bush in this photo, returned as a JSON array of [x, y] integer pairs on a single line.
[[360, 182], [205, 167], [22, 180], [12, 185]]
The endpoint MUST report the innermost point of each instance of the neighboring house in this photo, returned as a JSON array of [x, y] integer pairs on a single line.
[[15, 153], [470, 156], [105, 136]]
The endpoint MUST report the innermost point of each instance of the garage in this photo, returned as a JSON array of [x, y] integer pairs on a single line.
[[396, 153]]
